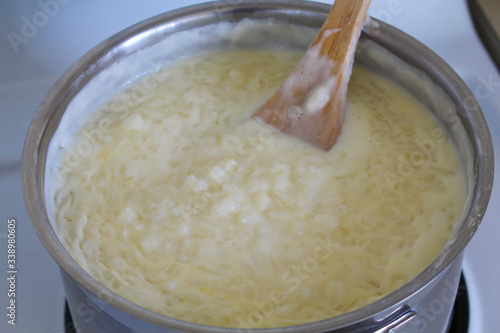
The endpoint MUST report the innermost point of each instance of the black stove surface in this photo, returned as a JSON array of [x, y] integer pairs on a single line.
[[459, 320], [460, 316]]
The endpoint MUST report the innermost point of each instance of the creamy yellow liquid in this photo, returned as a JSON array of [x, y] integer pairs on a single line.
[[188, 207]]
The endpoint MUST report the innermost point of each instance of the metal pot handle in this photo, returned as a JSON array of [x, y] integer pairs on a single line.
[[399, 324]]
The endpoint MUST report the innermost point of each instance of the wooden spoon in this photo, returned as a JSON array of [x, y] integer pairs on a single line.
[[310, 103]]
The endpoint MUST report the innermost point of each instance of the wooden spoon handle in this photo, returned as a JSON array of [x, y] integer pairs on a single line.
[[344, 21], [310, 103]]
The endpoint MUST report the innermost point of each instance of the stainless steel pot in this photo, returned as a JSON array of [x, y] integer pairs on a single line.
[[422, 305]]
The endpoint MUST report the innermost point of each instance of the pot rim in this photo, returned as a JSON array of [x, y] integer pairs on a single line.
[[33, 164]]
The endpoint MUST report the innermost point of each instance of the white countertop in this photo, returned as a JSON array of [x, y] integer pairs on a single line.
[[67, 29]]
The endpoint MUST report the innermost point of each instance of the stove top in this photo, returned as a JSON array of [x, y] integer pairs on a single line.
[[460, 316], [39, 40]]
